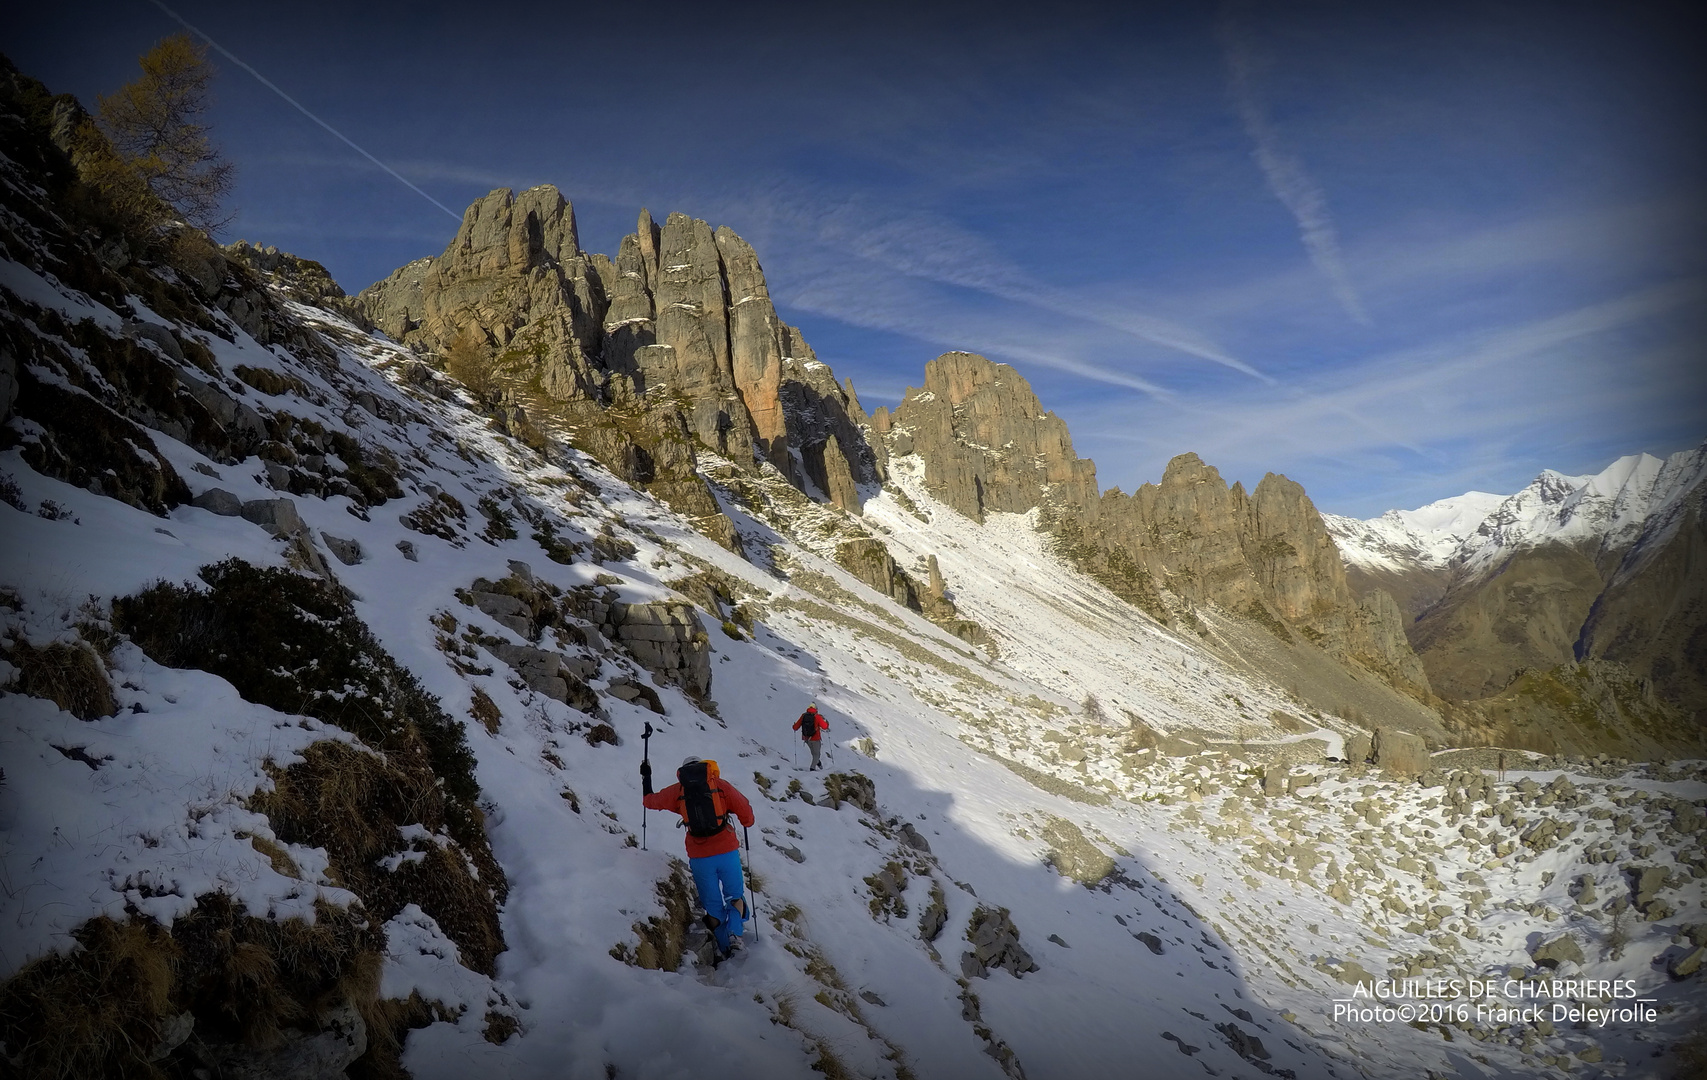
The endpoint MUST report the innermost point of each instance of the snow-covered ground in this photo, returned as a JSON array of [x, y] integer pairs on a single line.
[[1218, 943]]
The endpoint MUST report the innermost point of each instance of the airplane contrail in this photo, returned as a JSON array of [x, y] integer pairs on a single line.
[[1287, 178], [270, 85]]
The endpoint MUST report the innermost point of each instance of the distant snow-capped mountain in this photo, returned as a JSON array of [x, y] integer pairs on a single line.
[[1604, 513], [1427, 536]]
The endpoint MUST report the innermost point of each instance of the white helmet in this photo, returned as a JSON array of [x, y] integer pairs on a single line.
[[691, 760]]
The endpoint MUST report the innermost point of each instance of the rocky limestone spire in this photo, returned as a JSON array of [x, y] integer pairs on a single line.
[[1187, 531], [1266, 556], [503, 230], [514, 263], [986, 441], [693, 314], [1289, 549], [755, 339], [646, 237], [679, 324]]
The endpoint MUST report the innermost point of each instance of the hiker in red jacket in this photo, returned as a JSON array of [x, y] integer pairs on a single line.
[[812, 727], [705, 801]]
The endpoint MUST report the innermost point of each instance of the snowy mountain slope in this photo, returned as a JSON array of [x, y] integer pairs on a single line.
[[575, 886], [1472, 533], [1101, 1000], [1401, 539], [1604, 512], [1185, 913]]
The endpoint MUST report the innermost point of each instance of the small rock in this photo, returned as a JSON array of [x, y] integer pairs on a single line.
[[1056, 938], [407, 547], [1151, 941], [628, 690], [174, 1031], [1687, 964], [1181, 1043], [496, 603], [348, 552], [871, 998], [341, 1039], [1244, 1044], [911, 837], [1561, 949], [1648, 884], [157, 334]]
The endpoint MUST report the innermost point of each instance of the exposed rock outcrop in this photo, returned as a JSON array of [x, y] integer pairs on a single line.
[[986, 442], [667, 640], [869, 560], [672, 344], [995, 944], [1400, 752]]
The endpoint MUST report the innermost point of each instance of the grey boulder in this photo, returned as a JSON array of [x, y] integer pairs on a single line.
[[277, 516], [219, 501]]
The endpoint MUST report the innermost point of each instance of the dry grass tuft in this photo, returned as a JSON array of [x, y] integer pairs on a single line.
[[95, 1012], [499, 1027], [485, 711], [108, 1009], [70, 676], [663, 939], [350, 802], [389, 1021], [469, 361], [830, 1063]]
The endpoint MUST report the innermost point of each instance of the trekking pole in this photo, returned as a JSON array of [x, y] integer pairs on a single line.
[[758, 923], [645, 756]]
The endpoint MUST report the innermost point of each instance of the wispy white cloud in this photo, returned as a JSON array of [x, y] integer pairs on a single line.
[[864, 293], [1443, 417], [1410, 261], [425, 170], [933, 249], [1284, 171]]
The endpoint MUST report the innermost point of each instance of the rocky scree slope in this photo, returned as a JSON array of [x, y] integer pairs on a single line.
[[1599, 571]]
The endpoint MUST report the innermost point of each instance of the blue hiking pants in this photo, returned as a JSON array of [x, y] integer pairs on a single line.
[[718, 879]]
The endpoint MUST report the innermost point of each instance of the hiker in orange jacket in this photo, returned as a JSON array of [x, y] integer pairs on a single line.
[[706, 802], [812, 726]]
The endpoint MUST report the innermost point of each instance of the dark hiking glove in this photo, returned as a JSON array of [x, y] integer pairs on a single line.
[[646, 777]]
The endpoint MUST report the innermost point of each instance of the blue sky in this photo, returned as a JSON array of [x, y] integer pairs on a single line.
[[1393, 253]]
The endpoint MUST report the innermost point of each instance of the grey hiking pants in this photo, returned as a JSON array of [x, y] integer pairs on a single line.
[[817, 746]]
